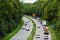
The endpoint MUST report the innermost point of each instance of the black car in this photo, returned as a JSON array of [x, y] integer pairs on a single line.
[[46, 32]]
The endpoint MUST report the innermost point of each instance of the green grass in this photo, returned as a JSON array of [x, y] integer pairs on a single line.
[[8, 36], [52, 32], [31, 36]]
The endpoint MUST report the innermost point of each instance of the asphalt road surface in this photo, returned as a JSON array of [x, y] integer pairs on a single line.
[[39, 31], [23, 34]]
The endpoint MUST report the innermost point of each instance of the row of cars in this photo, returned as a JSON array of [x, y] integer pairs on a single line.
[[25, 26], [45, 28], [46, 33], [44, 25]]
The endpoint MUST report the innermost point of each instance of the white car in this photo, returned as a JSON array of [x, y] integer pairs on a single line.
[[44, 23], [37, 36], [45, 36], [38, 18], [23, 27], [27, 29]]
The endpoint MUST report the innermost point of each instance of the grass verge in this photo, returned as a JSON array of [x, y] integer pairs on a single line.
[[8, 36], [52, 32], [31, 36]]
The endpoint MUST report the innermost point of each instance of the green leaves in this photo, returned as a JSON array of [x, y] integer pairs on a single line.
[[9, 15]]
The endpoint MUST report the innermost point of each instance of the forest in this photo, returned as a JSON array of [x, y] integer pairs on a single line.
[[11, 12]]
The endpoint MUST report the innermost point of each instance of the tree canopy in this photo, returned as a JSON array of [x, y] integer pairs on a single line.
[[11, 12]]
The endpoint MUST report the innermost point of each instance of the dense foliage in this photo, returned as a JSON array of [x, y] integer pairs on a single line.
[[11, 12], [10, 15]]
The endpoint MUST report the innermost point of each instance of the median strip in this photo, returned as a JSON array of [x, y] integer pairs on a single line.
[[31, 36]]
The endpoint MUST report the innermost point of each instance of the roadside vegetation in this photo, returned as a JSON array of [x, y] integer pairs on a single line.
[[10, 16], [11, 12], [19, 26], [52, 31]]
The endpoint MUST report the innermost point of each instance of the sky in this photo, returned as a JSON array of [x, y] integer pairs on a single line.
[[28, 1]]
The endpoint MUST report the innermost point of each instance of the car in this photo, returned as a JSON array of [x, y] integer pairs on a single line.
[[46, 32], [28, 21], [25, 24], [37, 36], [27, 29], [38, 26], [35, 17], [44, 23], [23, 27], [45, 36], [43, 27], [38, 18]]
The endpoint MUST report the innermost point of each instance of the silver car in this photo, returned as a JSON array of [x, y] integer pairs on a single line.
[[27, 29], [37, 36], [45, 36], [23, 27]]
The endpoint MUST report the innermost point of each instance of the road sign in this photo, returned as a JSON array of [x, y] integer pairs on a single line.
[[33, 14]]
